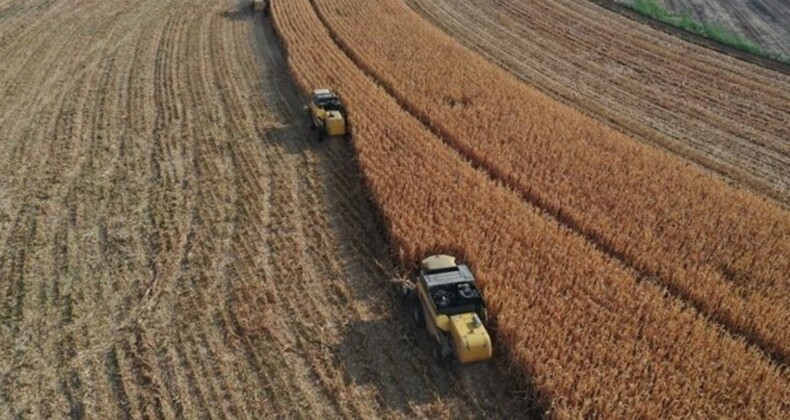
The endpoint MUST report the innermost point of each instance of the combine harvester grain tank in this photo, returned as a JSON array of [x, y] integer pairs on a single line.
[[445, 301]]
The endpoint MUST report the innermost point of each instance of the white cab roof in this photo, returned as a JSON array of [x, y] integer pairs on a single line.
[[438, 262]]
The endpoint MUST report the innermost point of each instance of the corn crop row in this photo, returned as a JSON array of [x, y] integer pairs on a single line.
[[578, 324], [724, 250]]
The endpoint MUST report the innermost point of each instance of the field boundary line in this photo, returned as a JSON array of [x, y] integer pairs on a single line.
[[694, 38], [564, 220]]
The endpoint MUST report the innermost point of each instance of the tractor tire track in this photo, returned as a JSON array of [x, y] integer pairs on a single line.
[[175, 241]]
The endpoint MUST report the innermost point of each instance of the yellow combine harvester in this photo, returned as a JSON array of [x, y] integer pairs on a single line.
[[446, 301], [327, 114], [261, 6]]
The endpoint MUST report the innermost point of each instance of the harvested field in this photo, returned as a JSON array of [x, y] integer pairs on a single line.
[[173, 241], [717, 111], [593, 335]]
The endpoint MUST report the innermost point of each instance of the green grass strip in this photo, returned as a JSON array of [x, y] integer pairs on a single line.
[[714, 31]]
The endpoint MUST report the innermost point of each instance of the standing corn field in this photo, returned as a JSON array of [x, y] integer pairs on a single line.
[[592, 337], [723, 249]]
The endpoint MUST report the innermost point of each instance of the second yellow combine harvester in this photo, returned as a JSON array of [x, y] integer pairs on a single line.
[[261, 6], [446, 302]]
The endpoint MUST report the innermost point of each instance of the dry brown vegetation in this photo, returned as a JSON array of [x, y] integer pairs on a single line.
[[725, 250], [584, 326], [718, 111], [174, 243]]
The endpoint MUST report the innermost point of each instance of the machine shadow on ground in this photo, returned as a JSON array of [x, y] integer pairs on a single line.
[[394, 356], [243, 11]]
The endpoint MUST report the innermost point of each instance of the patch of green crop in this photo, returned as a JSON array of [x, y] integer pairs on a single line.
[[714, 31]]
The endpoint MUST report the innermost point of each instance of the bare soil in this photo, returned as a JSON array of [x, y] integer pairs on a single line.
[[174, 242], [765, 22], [719, 112]]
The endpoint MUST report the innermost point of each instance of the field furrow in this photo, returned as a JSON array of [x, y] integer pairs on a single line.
[[174, 242]]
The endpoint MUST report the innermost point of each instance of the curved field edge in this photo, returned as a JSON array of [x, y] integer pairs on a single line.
[[686, 99], [763, 21], [564, 309], [761, 58]]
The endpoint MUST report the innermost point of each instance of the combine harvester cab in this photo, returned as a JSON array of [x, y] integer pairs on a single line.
[[446, 301], [261, 6], [327, 114]]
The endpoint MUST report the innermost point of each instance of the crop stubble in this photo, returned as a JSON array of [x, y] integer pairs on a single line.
[[173, 241]]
